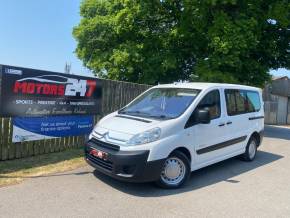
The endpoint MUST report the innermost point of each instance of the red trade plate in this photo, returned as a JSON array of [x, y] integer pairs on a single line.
[[99, 154]]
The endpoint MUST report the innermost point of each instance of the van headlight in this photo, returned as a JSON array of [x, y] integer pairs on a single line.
[[145, 137]]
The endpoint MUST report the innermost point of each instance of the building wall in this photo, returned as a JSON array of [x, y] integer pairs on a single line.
[[277, 103], [281, 86], [282, 112], [270, 112], [288, 116]]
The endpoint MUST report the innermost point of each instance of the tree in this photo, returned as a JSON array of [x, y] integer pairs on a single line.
[[169, 40]]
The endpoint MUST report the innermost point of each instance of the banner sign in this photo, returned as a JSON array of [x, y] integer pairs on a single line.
[[28, 92], [38, 128]]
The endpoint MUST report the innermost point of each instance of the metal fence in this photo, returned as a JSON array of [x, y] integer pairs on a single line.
[[271, 109], [115, 95]]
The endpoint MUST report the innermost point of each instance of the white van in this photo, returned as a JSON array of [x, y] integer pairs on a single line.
[[171, 130]]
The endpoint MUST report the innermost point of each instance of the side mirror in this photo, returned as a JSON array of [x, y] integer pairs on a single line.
[[203, 116]]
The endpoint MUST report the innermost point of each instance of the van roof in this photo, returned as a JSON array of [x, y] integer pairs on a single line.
[[200, 85]]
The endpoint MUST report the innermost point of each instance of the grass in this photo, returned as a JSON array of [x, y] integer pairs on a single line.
[[15, 171]]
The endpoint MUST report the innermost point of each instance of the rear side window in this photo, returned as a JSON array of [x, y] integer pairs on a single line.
[[242, 101], [254, 101]]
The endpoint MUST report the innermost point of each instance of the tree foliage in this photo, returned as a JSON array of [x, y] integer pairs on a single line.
[[169, 40]]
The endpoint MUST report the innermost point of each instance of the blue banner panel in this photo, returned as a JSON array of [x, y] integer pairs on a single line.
[[37, 128]]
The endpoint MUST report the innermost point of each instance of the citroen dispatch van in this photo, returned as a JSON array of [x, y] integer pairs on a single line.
[[171, 130]]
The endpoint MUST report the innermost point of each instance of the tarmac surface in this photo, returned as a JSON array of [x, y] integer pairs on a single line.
[[232, 188]]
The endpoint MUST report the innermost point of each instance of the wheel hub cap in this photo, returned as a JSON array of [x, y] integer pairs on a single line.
[[173, 171], [252, 149]]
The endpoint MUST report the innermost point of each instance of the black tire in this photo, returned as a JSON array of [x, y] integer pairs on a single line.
[[247, 155], [182, 157]]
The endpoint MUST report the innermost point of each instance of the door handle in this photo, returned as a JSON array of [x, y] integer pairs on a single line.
[[229, 122], [222, 124]]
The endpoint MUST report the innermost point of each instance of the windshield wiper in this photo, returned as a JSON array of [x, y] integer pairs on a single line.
[[161, 117], [134, 112], [144, 114]]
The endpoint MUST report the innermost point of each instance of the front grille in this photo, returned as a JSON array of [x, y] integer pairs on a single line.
[[105, 164], [105, 144]]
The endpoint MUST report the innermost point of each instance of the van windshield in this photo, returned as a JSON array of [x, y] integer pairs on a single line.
[[161, 103]]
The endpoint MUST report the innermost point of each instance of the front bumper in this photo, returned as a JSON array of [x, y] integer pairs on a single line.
[[131, 166]]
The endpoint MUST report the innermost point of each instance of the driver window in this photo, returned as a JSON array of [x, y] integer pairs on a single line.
[[211, 101]]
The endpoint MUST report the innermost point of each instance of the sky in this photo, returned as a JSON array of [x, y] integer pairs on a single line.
[[38, 34]]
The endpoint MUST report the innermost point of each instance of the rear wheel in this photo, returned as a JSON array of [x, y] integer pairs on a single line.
[[251, 150], [175, 171]]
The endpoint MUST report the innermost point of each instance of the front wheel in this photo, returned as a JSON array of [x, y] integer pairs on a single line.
[[175, 171], [251, 150]]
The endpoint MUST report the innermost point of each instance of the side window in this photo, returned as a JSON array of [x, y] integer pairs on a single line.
[[231, 101], [242, 101], [253, 101], [211, 101]]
